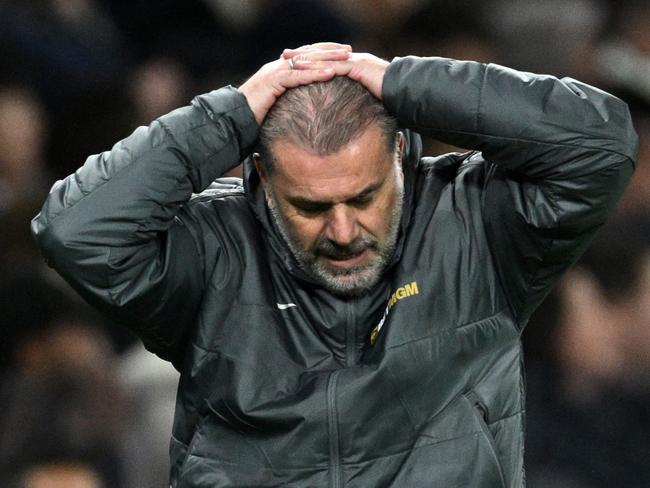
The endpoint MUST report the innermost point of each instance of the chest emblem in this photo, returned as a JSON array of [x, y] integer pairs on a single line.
[[401, 293]]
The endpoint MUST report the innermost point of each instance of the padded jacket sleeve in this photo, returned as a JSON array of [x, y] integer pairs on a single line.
[[558, 154], [117, 231]]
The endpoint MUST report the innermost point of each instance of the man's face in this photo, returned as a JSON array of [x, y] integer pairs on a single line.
[[340, 213]]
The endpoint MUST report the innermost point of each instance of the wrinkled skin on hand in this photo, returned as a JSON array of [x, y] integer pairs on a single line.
[[308, 64]]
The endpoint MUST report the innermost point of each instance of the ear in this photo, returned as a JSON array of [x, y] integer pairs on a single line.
[[399, 141], [261, 171], [399, 145], [263, 174]]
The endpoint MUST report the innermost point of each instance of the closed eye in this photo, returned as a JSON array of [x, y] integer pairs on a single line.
[[361, 202], [314, 208]]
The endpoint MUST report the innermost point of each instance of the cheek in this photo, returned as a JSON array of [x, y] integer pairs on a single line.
[[378, 218], [305, 231], [375, 221]]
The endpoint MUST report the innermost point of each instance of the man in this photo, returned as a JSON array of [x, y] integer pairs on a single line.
[[353, 316]]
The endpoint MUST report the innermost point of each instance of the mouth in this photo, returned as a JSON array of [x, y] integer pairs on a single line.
[[347, 261]]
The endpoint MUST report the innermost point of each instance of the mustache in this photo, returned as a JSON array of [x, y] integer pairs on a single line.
[[333, 250]]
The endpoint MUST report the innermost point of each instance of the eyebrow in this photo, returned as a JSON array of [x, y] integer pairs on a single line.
[[306, 202]]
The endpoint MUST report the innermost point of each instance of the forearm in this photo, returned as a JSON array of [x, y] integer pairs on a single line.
[[537, 125], [127, 195], [116, 229]]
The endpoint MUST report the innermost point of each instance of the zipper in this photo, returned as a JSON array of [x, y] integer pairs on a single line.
[[350, 335], [335, 472]]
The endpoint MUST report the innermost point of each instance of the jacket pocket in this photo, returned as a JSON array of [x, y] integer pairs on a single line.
[[453, 448], [481, 415]]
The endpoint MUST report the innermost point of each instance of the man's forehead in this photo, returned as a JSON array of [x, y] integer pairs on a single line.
[[368, 146], [361, 163]]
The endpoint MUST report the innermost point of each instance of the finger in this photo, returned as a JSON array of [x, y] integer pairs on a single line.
[[333, 55], [296, 78], [331, 45], [324, 45], [319, 46], [299, 78], [341, 67]]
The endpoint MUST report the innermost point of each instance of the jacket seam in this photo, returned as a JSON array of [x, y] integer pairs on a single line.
[[477, 122], [212, 115], [489, 173], [411, 449], [448, 330], [309, 468], [534, 141], [507, 417], [437, 440]]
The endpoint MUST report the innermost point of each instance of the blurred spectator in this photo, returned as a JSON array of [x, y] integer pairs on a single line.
[[61, 47], [23, 130], [61, 415], [631, 19], [58, 390], [589, 399], [70, 53], [418, 36], [58, 474], [636, 200], [618, 267], [224, 40], [380, 24], [150, 385], [23, 178], [157, 87], [550, 36], [622, 62]]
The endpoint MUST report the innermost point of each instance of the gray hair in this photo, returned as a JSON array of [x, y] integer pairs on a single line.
[[322, 118]]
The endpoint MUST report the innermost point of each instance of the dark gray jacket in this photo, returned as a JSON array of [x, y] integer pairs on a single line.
[[299, 396]]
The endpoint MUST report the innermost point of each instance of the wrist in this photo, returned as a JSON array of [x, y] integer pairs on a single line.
[[254, 101], [230, 105]]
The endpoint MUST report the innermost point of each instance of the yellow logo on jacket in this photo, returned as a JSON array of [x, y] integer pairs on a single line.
[[402, 292]]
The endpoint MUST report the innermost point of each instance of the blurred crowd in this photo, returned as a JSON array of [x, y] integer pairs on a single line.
[[82, 405]]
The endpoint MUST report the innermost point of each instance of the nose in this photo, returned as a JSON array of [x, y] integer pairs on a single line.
[[342, 227]]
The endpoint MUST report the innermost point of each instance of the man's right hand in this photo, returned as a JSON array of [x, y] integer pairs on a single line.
[[274, 78]]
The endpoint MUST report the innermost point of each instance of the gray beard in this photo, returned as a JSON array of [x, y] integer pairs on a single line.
[[346, 282]]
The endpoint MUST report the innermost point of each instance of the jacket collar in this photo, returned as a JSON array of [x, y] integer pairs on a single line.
[[255, 194]]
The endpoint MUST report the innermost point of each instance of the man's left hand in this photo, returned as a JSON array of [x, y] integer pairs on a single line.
[[365, 68]]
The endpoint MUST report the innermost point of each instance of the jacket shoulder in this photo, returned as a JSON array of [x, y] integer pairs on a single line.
[[222, 212], [447, 167], [219, 188], [224, 199]]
